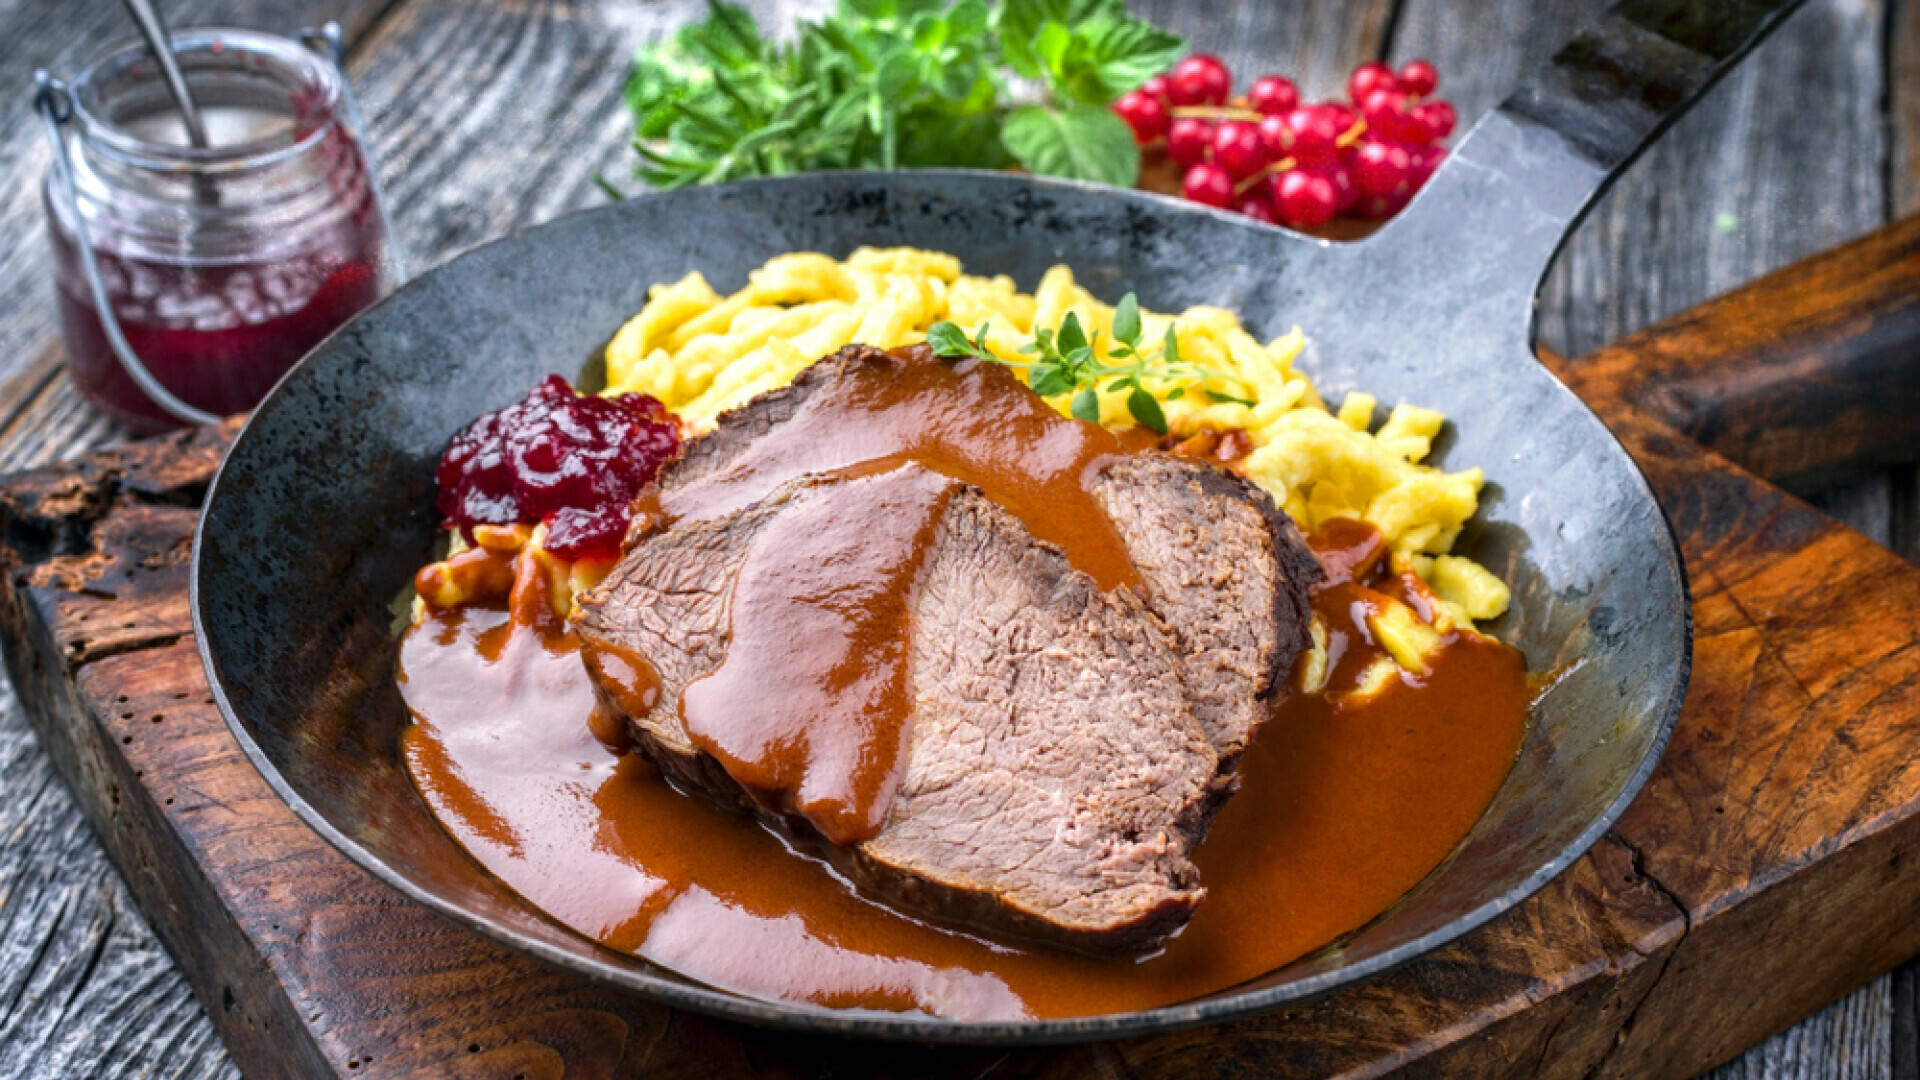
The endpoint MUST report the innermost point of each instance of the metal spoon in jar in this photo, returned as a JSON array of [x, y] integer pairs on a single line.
[[160, 44]]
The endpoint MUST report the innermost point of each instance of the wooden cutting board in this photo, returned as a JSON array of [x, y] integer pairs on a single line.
[[1771, 864]]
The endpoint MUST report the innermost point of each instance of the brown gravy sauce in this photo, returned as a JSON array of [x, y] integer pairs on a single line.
[[811, 703], [974, 422], [1346, 804], [810, 707]]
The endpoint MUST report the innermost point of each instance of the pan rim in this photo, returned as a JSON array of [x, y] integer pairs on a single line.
[[914, 1027]]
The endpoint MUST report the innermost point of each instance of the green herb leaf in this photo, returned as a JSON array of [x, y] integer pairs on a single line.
[[1218, 395], [1086, 142], [1018, 24], [886, 83], [1050, 381], [1126, 320], [1122, 53], [1086, 406], [1072, 336], [1021, 20], [946, 339], [1146, 410], [1105, 57], [897, 72], [1050, 46], [968, 19], [929, 33], [1066, 360]]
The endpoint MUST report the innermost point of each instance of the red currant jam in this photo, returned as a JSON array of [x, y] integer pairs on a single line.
[[217, 337], [575, 463]]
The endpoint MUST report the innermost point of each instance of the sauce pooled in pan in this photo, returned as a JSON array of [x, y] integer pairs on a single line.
[[1347, 801]]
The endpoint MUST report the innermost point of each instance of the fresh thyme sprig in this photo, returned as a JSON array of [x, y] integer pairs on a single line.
[[1066, 360]]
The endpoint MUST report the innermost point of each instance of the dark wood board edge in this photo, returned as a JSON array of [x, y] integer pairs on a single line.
[[1903, 98], [1791, 850], [1592, 1002], [167, 475], [1628, 934], [1583, 298], [251, 1010], [111, 686], [1806, 376]]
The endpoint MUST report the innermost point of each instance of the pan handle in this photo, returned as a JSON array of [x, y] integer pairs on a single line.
[[1505, 201]]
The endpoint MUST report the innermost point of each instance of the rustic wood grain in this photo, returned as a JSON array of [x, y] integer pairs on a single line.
[[1781, 379], [1778, 146], [1903, 99], [85, 987], [1847, 1040], [1725, 904], [1902, 171], [483, 180], [1795, 178]]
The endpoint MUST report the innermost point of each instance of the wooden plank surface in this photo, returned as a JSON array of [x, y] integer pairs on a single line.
[[85, 987], [537, 115], [1770, 866]]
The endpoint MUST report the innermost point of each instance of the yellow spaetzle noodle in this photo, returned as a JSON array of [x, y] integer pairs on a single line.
[[702, 353]]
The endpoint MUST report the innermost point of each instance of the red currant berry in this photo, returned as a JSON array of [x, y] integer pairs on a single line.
[[1425, 160], [1437, 117], [1237, 148], [1340, 175], [1381, 207], [1343, 117], [1314, 135], [1385, 112], [1189, 139], [1144, 114], [1370, 77], [1156, 88], [1304, 200], [1199, 79], [1257, 204], [1276, 138], [1419, 78], [1382, 168], [1273, 95], [1208, 184]]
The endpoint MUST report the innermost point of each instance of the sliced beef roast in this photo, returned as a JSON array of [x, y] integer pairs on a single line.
[[1067, 746], [1195, 532]]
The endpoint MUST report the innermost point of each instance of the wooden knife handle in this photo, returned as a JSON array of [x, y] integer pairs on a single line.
[[1808, 376]]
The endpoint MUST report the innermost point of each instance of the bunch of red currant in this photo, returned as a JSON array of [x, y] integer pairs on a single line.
[[1276, 159]]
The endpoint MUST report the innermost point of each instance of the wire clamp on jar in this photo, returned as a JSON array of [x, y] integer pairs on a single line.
[[53, 100]]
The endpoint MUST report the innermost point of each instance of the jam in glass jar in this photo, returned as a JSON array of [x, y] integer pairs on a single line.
[[221, 264]]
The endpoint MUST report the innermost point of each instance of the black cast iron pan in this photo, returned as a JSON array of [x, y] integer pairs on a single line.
[[323, 509]]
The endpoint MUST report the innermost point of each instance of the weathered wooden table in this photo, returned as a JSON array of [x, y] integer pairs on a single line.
[[489, 117]]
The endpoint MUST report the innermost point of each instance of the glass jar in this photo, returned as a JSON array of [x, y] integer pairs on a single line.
[[222, 264]]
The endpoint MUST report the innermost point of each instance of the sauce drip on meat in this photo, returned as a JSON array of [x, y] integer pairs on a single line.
[[969, 420], [810, 708], [1347, 801], [811, 704]]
